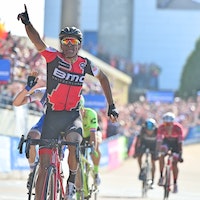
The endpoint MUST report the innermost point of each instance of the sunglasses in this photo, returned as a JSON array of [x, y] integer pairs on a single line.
[[73, 41], [150, 126]]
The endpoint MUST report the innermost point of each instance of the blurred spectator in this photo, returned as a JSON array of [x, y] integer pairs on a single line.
[[145, 76]]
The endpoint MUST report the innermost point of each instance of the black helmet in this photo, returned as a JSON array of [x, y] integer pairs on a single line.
[[70, 32], [150, 124]]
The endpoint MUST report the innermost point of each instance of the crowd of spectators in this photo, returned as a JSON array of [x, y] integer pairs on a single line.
[[144, 75], [22, 60]]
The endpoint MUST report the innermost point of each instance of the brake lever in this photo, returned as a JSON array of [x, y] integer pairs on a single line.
[[27, 148], [20, 145]]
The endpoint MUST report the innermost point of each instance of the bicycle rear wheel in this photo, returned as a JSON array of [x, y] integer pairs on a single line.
[[31, 191], [49, 187], [167, 184]]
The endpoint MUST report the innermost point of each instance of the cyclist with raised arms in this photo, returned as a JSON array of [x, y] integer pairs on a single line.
[[92, 134], [170, 136], [28, 95], [146, 139], [66, 72]]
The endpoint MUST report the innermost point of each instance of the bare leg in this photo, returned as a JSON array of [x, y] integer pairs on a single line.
[[161, 164], [44, 163], [175, 171], [34, 134]]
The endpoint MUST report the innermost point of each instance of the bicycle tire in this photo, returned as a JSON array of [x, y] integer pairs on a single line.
[[144, 183], [48, 192], [147, 180], [31, 191], [167, 183]]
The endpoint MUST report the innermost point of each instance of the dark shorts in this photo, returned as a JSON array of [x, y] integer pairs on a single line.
[[171, 144], [57, 122], [147, 145]]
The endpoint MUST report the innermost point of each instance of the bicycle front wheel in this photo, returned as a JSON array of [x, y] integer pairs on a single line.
[[145, 182], [167, 183], [144, 188], [31, 191], [80, 182], [49, 187]]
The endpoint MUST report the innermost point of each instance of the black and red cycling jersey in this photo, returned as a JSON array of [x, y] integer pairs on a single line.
[[65, 80]]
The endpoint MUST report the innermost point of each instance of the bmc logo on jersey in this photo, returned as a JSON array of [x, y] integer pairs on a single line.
[[68, 76]]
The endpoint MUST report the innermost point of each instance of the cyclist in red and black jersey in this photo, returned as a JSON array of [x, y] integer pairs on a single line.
[[66, 72], [170, 136]]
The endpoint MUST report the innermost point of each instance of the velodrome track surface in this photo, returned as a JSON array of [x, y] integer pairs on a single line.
[[122, 183]]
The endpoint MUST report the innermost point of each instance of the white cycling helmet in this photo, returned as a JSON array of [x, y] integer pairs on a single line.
[[168, 117]]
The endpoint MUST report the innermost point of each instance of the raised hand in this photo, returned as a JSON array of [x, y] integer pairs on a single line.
[[24, 16], [32, 80], [113, 113]]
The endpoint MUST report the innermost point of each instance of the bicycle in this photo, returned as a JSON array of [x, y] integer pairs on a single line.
[[53, 184], [146, 173], [88, 188]]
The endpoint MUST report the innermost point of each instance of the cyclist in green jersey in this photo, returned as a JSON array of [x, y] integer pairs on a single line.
[[92, 134]]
